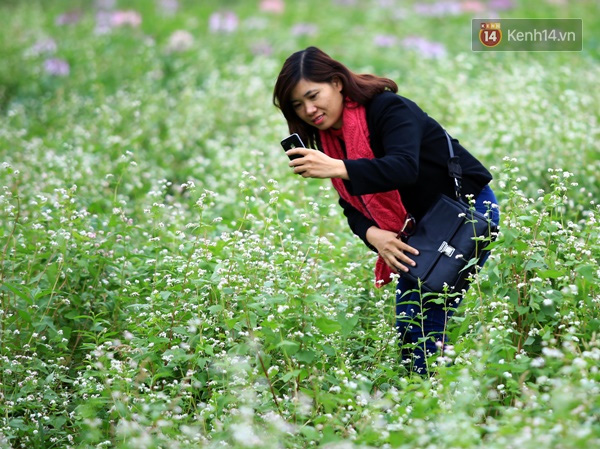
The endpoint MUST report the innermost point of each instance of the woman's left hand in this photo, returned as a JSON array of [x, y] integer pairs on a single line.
[[316, 164]]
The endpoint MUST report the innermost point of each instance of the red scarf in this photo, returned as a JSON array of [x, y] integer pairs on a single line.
[[386, 208]]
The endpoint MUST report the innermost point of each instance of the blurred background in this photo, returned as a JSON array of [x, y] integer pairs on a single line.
[[186, 73], [150, 221], [112, 42]]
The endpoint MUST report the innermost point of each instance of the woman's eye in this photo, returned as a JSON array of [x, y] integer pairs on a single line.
[[313, 96]]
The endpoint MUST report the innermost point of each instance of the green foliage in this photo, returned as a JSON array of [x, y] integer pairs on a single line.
[[165, 281]]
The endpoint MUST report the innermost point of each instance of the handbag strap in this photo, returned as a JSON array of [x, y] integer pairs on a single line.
[[454, 168]]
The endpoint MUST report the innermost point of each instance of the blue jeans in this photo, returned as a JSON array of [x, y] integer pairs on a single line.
[[430, 326]]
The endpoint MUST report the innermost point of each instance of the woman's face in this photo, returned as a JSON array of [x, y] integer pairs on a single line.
[[319, 104]]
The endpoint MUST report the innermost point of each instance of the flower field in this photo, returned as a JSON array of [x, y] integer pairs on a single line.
[[166, 281]]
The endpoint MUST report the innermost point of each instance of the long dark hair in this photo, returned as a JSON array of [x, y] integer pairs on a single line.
[[312, 64]]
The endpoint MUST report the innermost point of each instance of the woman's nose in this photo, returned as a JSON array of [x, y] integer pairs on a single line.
[[310, 108]]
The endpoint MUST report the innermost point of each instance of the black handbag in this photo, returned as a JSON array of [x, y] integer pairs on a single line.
[[451, 239]]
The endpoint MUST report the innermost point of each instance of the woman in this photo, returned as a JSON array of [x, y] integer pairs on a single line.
[[386, 158]]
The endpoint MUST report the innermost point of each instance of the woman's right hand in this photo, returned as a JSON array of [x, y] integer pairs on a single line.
[[391, 249]]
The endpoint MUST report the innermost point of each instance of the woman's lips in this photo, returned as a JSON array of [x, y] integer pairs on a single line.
[[319, 119]]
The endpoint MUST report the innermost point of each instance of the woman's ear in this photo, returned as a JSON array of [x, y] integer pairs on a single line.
[[337, 83]]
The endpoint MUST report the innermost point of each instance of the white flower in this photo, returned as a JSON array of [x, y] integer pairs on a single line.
[[552, 352], [282, 308], [180, 40], [244, 434]]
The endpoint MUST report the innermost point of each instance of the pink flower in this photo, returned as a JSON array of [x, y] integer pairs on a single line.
[[168, 6], [226, 22], [105, 4], [256, 23], [275, 6], [385, 40], [68, 18], [122, 18], [103, 22], [502, 4], [438, 9], [57, 67], [107, 20], [426, 48], [473, 6], [43, 46], [304, 29], [261, 49]]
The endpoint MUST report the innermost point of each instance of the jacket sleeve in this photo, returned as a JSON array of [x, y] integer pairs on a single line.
[[359, 224], [400, 125]]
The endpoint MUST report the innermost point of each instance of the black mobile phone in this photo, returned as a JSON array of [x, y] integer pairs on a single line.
[[292, 141]]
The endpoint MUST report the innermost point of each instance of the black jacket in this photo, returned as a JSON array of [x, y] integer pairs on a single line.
[[411, 155]]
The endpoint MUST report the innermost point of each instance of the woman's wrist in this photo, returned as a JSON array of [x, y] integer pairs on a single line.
[[341, 171], [371, 235]]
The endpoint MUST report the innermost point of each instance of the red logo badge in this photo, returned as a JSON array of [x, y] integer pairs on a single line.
[[490, 34]]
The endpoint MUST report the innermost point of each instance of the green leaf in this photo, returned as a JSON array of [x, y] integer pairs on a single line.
[[232, 322], [17, 292], [327, 326], [75, 315], [163, 373], [527, 220], [586, 272], [17, 423], [181, 330], [287, 376], [315, 298], [465, 324], [310, 433], [303, 375], [329, 350], [508, 236], [594, 325], [165, 295], [58, 422], [550, 274], [329, 435], [41, 293], [24, 315], [215, 309], [51, 273], [216, 275], [241, 348], [289, 347], [522, 310], [347, 324], [305, 356]]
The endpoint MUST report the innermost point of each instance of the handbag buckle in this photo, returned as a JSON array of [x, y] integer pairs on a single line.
[[408, 229], [446, 249]]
